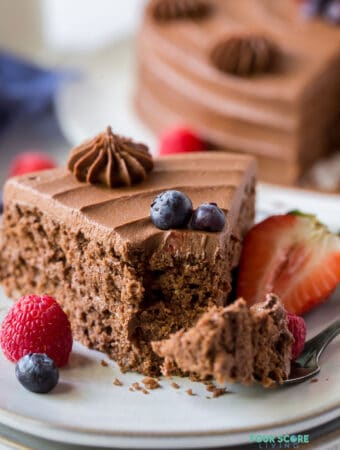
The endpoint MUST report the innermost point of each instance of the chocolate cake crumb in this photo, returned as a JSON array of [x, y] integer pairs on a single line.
[[218, 392], [195, 378], [208, 398], [145, 391], [103, 363], [189, 392], [314, 380], [117, 382], [210, 387], [136, 386], [175, 385], [131, 389], [151, 383]]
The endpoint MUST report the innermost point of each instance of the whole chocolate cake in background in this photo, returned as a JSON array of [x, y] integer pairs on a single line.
[[252, 76]]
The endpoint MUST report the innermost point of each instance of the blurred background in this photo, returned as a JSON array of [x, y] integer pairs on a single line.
[[79, 44], [67, 71]]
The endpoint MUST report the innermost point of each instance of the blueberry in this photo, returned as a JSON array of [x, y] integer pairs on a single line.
[[37, 373], [332, 12], [208, 217], [314, 7], [171, 209]]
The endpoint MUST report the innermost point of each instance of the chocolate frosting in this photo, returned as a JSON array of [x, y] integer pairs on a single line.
[[169, 10], [121, 215], [111, 160], [244, 55]]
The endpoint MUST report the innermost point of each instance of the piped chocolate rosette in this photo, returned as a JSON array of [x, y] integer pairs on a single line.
[[111, 160]]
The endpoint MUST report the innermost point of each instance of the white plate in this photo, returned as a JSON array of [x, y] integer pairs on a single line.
[[87, 409], [105, 96]]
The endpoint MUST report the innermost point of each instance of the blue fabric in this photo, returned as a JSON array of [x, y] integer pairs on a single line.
[[25, 88]]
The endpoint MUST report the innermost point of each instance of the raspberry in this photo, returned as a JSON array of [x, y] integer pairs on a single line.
[[36, 324], [31, 162], [180, 140], [297, 326]]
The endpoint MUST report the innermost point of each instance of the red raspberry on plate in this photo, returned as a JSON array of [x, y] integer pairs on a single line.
[[297, 326], [31, 162], [180, 140], [36, 324]]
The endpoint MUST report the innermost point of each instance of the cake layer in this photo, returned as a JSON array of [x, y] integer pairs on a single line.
[[122, 281], [285, 115], [234, 343]]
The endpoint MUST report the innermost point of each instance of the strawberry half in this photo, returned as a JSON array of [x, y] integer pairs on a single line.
[[293, 256]]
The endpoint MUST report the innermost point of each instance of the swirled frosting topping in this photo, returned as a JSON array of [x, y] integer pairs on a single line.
[[111, 160], [244, 55], [169, 10]]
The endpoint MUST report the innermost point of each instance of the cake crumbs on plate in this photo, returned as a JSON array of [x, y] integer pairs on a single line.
[[198, 378], [103, 363], [131, 389], [117, 382], [210, 387], [314, 380], [136, 386], [218, 392], [190, 392], [175, 385], [151, 383], [145, 391]]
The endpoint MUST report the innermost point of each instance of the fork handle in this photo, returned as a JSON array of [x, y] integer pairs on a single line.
[[315, 346]]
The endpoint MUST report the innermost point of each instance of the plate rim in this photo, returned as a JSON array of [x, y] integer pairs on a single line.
[[77, 435], [222, 432]]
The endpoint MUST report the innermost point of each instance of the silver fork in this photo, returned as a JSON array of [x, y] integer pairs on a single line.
[[307, 364]]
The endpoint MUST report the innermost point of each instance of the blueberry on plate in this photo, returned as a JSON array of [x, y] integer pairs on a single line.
[[171, 209], [332, 12], [37, 373], [314, 7], [208, 217]]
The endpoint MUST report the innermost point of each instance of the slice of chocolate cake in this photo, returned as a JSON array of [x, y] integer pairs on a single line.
[[84, 236], [233, 343]]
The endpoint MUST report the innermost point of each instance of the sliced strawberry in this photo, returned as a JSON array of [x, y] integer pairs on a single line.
[[292, 255]]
